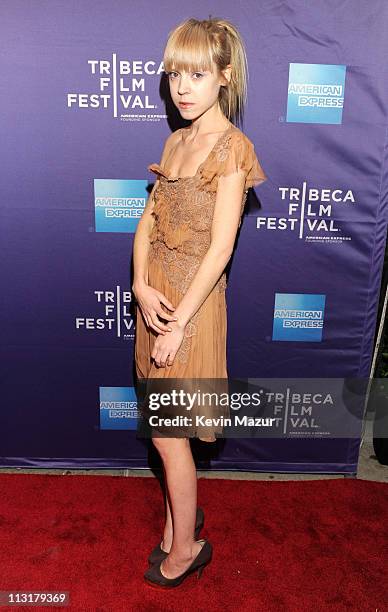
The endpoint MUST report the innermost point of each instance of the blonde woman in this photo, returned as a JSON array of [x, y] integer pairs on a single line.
[[182, 244]]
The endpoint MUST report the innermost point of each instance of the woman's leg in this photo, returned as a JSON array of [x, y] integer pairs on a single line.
[[168, 528], [181, 482]]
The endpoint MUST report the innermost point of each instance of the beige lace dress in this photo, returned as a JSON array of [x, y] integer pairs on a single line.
[[180, 238]]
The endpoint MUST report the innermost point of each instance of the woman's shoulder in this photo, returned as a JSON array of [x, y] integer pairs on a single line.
[[236, 145], [234, 152], [239, 137]]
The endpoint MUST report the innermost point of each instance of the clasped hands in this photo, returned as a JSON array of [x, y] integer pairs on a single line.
[[169, 336]]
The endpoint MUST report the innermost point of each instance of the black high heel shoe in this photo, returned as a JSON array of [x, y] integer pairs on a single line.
[[154, 576], [158, 554]]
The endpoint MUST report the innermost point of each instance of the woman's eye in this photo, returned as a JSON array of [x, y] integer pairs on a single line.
[[195, 74]]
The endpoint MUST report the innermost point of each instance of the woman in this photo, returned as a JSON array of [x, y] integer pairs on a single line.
[[182, 244]]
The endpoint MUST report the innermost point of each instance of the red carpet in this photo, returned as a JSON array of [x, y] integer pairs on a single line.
[[278, 546]]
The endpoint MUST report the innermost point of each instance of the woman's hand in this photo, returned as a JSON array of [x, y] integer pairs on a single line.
[[166, 347], [149, 300]]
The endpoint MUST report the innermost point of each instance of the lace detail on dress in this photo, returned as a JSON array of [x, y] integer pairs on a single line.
[[179, 267], [190, 330], [234, 152], [181, 234]]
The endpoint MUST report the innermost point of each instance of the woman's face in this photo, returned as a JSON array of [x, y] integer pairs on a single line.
[[199, 89]]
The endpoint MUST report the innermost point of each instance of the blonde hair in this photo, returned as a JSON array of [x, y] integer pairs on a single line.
[[195, 45]]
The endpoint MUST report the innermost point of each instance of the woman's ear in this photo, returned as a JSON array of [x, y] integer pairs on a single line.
[[226, 74]]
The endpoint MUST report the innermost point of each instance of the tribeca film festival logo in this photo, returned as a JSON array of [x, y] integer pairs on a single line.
[[302, 413], [121, 87], [119, 204], [316, 93], [309, 212], [298, 317], [114, 314]]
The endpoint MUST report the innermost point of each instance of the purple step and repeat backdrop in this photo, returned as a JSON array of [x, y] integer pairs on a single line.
[[84, 110]]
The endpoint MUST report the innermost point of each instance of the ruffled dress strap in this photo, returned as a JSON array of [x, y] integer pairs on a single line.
[[157, 169], [234, 152]]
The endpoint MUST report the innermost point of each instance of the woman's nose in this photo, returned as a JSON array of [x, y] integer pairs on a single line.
[[183, 86]]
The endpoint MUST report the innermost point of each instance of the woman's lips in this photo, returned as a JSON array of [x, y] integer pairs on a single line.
[[186, 104]]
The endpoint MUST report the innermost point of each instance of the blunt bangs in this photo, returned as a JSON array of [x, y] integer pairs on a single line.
[[189, 49]]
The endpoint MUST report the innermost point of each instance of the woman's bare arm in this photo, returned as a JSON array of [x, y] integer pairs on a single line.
[[226, 219], [149, 298], [141, 244]]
